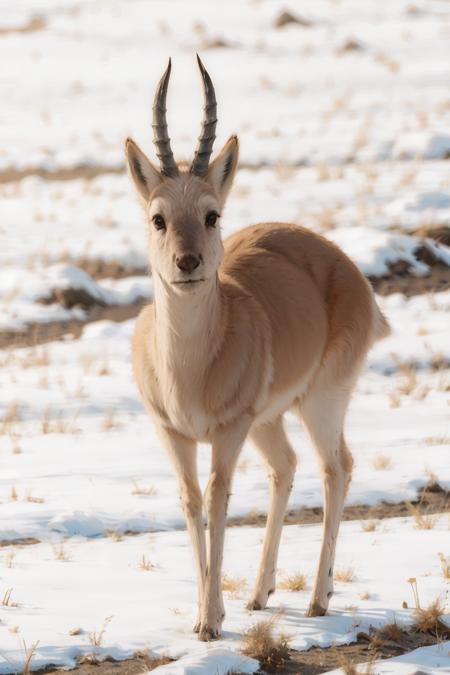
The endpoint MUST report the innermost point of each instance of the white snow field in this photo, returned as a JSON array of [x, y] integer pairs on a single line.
[[344, 118]]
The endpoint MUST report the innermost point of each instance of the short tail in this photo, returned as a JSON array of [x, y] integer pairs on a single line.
[[381, 325]]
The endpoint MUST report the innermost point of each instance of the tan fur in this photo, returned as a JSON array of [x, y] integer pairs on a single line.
[[279, 319]]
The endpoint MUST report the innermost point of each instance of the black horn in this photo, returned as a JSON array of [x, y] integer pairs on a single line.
[[205, 144], [160, 134]]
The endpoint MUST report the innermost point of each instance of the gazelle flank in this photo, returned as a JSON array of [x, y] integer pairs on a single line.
[[275, 318]]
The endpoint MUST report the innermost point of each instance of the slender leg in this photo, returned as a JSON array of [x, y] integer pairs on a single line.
[[183, 454], [323, 415], [271, 441], [226, 445]]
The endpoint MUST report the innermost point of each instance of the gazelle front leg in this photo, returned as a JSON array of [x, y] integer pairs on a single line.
[[183, 454], [280, 458], [226, 445]]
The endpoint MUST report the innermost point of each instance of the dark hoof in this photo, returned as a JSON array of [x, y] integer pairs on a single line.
[[316, 610], [254, 606], [207, 634]]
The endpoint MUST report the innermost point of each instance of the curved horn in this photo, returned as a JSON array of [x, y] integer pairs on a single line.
[[207, 135], [160, 134]]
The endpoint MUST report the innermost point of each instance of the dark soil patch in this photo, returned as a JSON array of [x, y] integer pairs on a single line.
[[25, 541], [103, 269], [316, 660], [400, 279], [86, 171], [138, 664], [41, 333], [440, 233], [367, 649], [34, 24], [431, 499]]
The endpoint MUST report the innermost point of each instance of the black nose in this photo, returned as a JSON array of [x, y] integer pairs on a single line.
[[187, 263]]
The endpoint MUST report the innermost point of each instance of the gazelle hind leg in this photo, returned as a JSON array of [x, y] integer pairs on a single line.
[[271, 441], [323, 413]]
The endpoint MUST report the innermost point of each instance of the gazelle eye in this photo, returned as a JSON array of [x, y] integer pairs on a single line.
[[211, 219], [159, 222]]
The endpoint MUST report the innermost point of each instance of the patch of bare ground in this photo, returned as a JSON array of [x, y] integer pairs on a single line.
[[104, 269], [401, 280], [86, 171], [430, 500], [24, 541], [41, 333], [440, 233], [142, 662], [376, 645], [34, 24]]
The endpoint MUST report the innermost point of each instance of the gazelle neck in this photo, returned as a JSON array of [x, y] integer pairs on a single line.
[[187, 325]]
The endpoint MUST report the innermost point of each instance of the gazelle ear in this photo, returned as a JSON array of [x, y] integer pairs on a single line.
[[144, 174], [222, 169]]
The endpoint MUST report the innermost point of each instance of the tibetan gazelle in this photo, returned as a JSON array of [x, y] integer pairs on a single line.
[[275, 318]]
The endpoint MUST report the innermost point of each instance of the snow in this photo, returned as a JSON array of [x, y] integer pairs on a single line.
[[86, 384], [155, 609], [435, 659], [216, 660], [352, 143]]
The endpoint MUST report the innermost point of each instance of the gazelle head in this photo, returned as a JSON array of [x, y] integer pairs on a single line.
[[184, 204]]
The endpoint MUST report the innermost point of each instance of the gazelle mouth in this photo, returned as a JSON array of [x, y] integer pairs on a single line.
[[188, 281]]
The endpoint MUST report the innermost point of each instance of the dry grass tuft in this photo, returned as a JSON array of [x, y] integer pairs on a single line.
[[365, 595], [145, 564], [323, 172], [348, 667], [370, 525], [9, 559], [29, 654], [57, 424], [423, 521], [235, 586], [115, 535], [96, 638], [60, 552], [382, 462], [259, 643], [428, 620], [151, 662], [391, 631], [346, 575], [110, 422], [394, 400], [11, 418], [445, 565], [6, 600], [75, 631], [34, 500], [149, 491], [437, 440], [293, 582]]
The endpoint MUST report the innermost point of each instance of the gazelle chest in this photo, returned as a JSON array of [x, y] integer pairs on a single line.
[[181, 392]]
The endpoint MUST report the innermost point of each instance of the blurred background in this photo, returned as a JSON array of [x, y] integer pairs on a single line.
[[342, 108]]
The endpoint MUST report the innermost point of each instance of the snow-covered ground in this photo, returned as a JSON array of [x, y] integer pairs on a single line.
[[344, 127], [155, 608]]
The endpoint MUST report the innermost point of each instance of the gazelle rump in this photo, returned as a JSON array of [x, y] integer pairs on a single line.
[[276, 318]]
